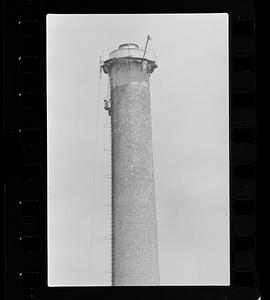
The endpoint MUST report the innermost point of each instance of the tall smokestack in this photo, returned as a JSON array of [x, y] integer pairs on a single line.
[[134, 228]]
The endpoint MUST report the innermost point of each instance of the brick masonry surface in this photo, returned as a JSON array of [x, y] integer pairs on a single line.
[[134, 228]]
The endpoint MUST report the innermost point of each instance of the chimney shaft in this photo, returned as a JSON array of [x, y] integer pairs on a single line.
[[134, 228]]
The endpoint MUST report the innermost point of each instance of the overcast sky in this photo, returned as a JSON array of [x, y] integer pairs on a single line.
[[190, 123]]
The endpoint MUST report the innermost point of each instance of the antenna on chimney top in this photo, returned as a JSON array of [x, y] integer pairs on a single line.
[[148, 39]]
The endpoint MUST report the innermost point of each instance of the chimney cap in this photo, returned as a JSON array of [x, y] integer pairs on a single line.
[[129, 46]]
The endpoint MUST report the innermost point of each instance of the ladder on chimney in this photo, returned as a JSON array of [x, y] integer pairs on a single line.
[[108, 149]]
